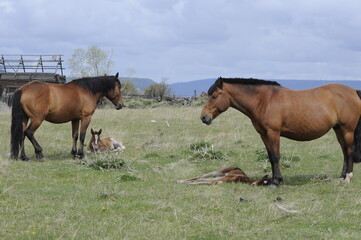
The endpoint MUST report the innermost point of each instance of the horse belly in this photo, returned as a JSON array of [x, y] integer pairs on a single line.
[[61, 116], [305, 134]]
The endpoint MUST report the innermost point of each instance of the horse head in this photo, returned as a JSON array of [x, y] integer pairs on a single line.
[[218, 102], [115, 94], [95, 139]]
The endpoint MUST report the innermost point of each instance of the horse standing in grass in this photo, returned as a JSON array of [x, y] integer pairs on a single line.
[[276, 111], [75, 101], [98, 145]]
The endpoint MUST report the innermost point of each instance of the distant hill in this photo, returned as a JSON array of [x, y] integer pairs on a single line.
[[139, 83], [186, 89]]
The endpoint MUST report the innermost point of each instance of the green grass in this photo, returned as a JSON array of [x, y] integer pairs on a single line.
[[62, 198]]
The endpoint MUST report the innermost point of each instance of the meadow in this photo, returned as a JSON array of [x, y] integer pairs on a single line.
[[63, 198]]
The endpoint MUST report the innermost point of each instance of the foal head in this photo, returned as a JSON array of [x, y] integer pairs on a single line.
[[94, 142], [115, 95], [218, 102]]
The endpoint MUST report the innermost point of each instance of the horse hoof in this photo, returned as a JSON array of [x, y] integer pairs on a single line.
[[40, 157], [78, 156], [273, 185]]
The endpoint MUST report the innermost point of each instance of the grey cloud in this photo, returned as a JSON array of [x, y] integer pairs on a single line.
[[186, 40]]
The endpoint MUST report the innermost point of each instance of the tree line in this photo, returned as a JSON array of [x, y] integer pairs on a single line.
[[94, 61]]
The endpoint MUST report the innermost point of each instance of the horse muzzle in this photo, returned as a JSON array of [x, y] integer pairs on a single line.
[[206, 119], [119, 106]]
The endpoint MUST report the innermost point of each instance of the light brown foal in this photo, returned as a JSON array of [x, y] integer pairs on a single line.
[[226, 175], [98, 145]]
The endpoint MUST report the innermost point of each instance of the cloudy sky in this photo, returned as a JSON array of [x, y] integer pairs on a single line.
[[186, 40]]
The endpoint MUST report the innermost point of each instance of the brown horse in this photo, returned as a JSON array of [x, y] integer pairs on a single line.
[[99, 145], [276, 111], [75, 101], [226, 175]]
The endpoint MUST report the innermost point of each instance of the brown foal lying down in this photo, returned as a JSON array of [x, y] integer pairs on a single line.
[[99, 145], [226, 175]]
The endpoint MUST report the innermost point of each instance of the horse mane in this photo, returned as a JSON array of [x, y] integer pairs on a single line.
[[96, 84], [244, 81]]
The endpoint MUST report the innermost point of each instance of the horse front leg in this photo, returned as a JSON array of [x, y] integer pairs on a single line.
[[272, 144], [75, 134], [83, 127]]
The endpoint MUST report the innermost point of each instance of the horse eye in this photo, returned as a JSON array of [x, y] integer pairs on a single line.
[[214, 96]]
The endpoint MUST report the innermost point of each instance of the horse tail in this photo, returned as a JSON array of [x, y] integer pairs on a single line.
[[17, 118], [356, 151]]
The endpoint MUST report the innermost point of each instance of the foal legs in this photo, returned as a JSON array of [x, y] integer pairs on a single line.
[[207, 178]]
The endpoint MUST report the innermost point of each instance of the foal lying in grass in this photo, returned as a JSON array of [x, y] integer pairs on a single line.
[[226, 175], [97, 145]]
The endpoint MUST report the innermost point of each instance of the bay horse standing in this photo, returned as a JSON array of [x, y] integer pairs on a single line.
[[303, 115], [75, 101]]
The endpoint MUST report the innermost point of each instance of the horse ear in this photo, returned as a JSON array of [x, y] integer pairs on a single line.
[[100, 131], [219, 83], [116, 75], [92, 131]]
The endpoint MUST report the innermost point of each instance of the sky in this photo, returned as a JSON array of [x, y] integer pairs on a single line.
[[185, 40]]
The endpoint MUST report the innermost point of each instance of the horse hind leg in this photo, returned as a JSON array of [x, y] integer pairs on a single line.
[[349, 137], [345, 138], [23, 155], [29, 133]]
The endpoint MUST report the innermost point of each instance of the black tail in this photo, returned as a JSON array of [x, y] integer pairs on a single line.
[[356, 151], [17, 118]]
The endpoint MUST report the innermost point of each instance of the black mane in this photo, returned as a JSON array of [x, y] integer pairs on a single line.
[[96, 84], [244, 81]]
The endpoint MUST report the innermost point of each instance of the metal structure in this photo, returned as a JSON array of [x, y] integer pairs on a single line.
[[32, 63], [17, 70]]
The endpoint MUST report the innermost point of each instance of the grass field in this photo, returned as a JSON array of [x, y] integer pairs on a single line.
[[62, 198]]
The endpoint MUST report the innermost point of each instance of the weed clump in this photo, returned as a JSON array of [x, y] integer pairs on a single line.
[[104, 162], [205, 151], [126, 178], [287, 161]]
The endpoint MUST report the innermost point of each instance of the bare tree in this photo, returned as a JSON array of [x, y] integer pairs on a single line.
[[158, 90], [90, 62]]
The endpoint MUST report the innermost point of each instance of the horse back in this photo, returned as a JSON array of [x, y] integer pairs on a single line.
[[308, 114], [57, 103]]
